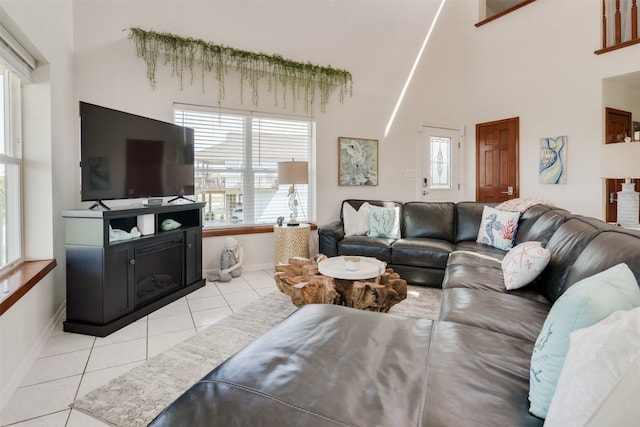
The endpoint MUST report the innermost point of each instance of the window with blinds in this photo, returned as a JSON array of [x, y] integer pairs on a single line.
[[236, 163]]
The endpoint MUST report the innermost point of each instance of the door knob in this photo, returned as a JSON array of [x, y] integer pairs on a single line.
[[509, 191]]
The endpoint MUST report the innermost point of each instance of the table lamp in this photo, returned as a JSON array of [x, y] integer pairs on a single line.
[[622, 160], [293, 173]]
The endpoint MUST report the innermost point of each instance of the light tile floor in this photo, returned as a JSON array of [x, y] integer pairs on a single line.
[[71, 365]]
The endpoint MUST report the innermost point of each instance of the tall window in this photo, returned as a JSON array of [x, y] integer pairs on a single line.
[[236, 163], [440, 162], [10, 170]]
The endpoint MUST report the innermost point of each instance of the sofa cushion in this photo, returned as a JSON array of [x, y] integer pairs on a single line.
[[583, 304], [539, 222], [476, 378], [422, 276], [377, 247], [523, 263], [584, 387], [384, 222], [468, 218], [498, 228], [598, 256], [356, 222], [480, 249], [565, 246], [325, 365], [421, 252], [478, 271], [433, 220], [504, 313]]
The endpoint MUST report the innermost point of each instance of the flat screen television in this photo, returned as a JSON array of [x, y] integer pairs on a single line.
[[124, 156]]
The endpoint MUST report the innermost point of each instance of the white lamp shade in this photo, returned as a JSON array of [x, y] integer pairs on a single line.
[[293, 172], [621, 160]]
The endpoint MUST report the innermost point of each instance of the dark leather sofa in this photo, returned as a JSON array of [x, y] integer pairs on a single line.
[[430, 231], [335, 366]]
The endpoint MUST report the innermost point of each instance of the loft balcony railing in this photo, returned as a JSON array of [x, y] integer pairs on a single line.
[[619, 24]]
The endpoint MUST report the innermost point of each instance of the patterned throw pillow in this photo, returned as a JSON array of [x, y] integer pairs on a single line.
[[356, 222], [585, 303], [521, 204], [498, 228], [384, 222], [523, 263]]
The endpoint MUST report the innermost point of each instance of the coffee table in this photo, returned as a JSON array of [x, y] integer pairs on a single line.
[[335, 267], [372, 287]]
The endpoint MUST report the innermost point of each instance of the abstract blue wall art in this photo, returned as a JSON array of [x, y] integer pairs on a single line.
[[553, 160]]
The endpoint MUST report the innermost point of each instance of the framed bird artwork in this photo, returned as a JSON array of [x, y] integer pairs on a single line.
[[357, 161]]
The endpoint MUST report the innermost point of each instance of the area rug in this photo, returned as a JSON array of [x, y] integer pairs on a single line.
[[137, 397]]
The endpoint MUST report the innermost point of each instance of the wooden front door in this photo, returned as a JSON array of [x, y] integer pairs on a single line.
[[613, 185], [497, 159]]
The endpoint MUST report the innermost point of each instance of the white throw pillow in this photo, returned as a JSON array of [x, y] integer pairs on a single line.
[[585, 303], [356, 222], [498, 228], [523, 263], [384, 222], [600, 381]]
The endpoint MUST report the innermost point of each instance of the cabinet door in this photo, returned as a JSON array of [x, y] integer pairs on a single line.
[[193, 256], [118, 284]]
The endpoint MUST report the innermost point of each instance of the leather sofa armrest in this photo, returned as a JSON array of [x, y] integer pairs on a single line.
[[329, 235]]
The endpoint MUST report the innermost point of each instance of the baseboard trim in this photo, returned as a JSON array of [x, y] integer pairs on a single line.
[[16, 379]]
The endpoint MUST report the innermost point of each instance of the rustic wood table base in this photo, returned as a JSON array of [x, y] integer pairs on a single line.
[[301, 281]]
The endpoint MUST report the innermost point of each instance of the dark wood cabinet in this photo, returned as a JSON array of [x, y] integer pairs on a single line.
[[618, 125], [111, 283]]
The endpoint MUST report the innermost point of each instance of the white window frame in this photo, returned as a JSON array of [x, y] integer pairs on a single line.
[[17, 64], [11, 227], [230, 213]]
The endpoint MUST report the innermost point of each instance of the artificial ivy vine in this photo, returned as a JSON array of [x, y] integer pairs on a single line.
[[284, 75]]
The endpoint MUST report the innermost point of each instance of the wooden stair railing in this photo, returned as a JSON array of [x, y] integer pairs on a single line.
[[618, 42]]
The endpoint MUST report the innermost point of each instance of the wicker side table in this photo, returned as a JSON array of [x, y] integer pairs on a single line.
[[290, 242]]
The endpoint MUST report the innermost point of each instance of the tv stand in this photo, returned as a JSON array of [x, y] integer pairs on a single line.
[[112, 283], [181, 197], [99, 204]]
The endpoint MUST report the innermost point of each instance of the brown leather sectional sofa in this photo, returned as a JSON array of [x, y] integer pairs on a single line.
[[335, 366]]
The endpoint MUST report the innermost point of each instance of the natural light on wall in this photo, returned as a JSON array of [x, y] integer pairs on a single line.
[[413, 69]]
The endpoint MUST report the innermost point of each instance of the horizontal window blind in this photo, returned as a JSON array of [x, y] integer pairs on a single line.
[[236, 163]]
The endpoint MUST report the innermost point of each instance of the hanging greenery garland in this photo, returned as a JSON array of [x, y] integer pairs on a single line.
[[283, 75]]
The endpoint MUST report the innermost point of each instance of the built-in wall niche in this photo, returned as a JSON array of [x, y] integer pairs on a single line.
[[621, 102], [621, 113]]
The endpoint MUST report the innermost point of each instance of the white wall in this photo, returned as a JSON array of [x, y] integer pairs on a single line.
[[538, 63], [376, 43], [45, 28]]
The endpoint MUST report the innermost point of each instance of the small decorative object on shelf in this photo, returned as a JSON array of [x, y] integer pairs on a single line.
[[116, 234], [170, 224]]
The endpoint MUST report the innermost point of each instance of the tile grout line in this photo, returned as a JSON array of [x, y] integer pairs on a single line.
[[221, 290]]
